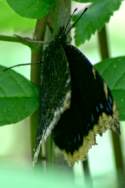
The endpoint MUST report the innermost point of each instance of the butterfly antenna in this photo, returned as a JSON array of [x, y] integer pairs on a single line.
[[19, 65], [76, 21], [70, 20]]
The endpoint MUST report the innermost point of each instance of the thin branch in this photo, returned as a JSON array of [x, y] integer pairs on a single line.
[[88, 177], [116, 142], [36, 56], [102, 42], [23, 40]]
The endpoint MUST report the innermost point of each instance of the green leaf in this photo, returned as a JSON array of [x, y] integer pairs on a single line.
[[18, 97], [10, 21], [94, 19], [32, 8], [84, 1], [113, 71]]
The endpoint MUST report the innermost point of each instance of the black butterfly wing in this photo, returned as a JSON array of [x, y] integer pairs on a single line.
[[92, 109], [54, 91]]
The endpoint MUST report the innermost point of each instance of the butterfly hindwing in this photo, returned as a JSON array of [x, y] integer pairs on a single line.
[[92, 109]]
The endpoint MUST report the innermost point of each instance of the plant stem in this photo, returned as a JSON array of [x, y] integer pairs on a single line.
[[88, 179], [104, 51], [36, 57], [23, 40], [103, 43]]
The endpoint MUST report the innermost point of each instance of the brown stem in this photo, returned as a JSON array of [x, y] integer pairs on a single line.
[[23, 40], [36, 57], [88, 178], [104, 52], [102, 42]]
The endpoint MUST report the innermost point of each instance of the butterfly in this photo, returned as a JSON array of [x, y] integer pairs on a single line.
[[82, 102]]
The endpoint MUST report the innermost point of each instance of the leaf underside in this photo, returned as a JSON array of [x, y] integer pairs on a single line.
[[31, 8], [18, 97], [94, 19]]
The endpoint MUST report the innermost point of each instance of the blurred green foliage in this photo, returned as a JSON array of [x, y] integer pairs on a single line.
[[113, 71], [14, 177], [18, 97], [32, 8], [12, 22]]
